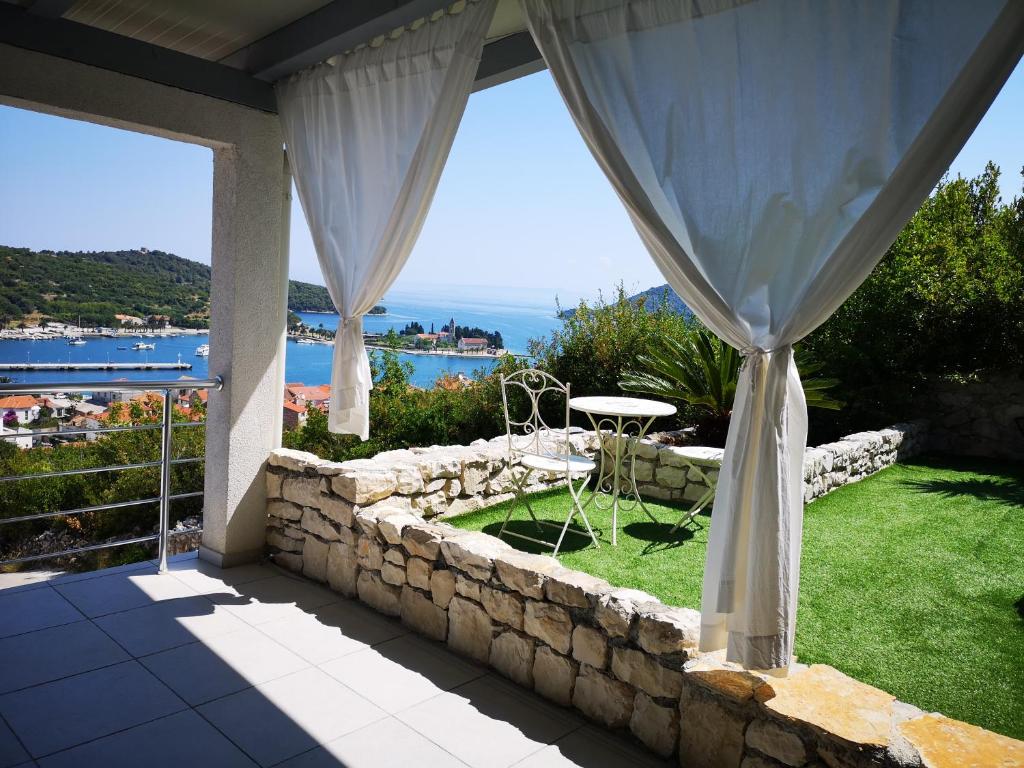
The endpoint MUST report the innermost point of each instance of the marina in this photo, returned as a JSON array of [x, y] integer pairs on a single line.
[[176, 366]]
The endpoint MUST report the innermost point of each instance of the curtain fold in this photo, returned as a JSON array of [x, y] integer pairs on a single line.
[[368, 134], [768, 152]]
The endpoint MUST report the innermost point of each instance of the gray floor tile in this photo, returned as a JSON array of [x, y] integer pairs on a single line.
[[122, 591], [168, 624], [77, 709], [182, 739], [401, 673], [11, 751], [279, 597], [288, 716], [49, 654], [205, 578], [489, 723], [29, 610], [224, 664], [143, 566], [332, 631], [384, 744], [590, 747]]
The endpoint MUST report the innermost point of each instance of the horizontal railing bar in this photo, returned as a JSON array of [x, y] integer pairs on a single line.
[[192, 494], [101, 430], [190, 460], [87, 471], [79, 511], [110, 386], [96, 508], [79, 550], [97, 431]]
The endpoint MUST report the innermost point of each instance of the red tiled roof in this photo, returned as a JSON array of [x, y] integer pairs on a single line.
[[473, 340], [320, 392], [294, 408], [18, 402]]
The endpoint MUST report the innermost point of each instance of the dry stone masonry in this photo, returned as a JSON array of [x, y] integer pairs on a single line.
[[617, 656]]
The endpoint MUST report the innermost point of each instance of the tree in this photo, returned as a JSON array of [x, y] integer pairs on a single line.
[[11, 420], [947, 299]]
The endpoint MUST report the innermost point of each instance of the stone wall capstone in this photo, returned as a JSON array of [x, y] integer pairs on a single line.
[[618, 656]]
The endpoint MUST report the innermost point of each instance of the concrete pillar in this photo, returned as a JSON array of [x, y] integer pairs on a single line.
[[250, 264], [248, 317]]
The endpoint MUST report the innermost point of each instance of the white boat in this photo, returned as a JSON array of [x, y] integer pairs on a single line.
[[203, 350], [76, 342], [140, 345], [304, 341]]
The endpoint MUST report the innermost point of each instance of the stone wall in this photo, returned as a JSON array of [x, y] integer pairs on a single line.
[[979, 417], [856, 456], [443, 481], [617, 656]]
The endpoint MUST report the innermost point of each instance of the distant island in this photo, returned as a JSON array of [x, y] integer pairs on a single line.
[[651, 299], [115, 288], [654, 297]]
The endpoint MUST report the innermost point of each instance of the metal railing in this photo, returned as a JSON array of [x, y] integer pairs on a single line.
[[167, 425]]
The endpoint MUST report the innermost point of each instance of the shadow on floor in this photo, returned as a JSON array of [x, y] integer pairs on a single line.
[[576, 538], [252, 666]]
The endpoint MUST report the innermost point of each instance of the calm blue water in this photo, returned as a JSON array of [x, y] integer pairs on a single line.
[[518, 316]]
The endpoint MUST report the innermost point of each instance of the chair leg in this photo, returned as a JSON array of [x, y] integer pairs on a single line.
[[686, 519], [518, 484], [576, 494]]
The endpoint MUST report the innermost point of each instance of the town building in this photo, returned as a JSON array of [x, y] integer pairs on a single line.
[[61, 407], [472, 344], [294, 415], [25, 407], [23, 439]]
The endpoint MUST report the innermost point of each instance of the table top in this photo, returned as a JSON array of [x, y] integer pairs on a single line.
[[620, 406]]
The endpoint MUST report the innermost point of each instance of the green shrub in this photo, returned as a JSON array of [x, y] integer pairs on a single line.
[[946, 299], [402, 415]]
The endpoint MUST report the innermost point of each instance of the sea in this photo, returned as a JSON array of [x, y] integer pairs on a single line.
[[520, 315]]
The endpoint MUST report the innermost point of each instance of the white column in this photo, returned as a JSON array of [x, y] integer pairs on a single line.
[[251, 184], [248, 318]]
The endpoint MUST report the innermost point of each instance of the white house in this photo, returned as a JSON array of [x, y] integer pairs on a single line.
[[471, 344], [25, 407], [24, 439], [61, 406]]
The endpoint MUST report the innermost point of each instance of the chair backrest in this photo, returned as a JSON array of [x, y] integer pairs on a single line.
[[527, 430]]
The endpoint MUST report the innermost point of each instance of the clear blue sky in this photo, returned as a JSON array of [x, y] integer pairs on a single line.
[[521, 202]]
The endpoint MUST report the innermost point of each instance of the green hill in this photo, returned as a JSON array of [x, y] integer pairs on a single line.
[[97, 285]]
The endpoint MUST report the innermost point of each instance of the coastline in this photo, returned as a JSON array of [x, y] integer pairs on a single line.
[[446, 353]]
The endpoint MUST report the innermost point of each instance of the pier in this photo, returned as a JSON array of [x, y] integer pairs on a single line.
[[178, 366]]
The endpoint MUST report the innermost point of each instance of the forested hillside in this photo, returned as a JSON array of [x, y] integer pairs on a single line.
[[97, 285]]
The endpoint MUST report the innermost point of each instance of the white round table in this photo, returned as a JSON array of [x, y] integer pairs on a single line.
[[613, 418]]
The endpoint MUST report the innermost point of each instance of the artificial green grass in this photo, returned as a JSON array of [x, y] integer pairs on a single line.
[[909, 581]]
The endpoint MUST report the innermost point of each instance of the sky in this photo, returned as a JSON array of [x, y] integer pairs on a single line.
[[521, 203]]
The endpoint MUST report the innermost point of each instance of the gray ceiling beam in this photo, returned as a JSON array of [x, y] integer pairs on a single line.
[[51, 9], [507, 59], [106, 50], [335, 28]]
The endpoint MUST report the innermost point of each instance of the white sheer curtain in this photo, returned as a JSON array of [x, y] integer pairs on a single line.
[[768, 153], [368, 135]]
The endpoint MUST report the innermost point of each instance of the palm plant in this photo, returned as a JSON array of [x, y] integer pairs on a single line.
[[702, 371]]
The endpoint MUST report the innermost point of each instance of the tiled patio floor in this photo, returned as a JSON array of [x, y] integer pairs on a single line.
[[251, 666]]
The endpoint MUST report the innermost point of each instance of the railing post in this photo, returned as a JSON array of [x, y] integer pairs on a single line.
[[165, 479]]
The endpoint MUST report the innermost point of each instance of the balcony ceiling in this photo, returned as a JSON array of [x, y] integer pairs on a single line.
[[235, 49]]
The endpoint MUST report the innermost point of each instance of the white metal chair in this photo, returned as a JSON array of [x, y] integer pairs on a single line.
[[536, 447]]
